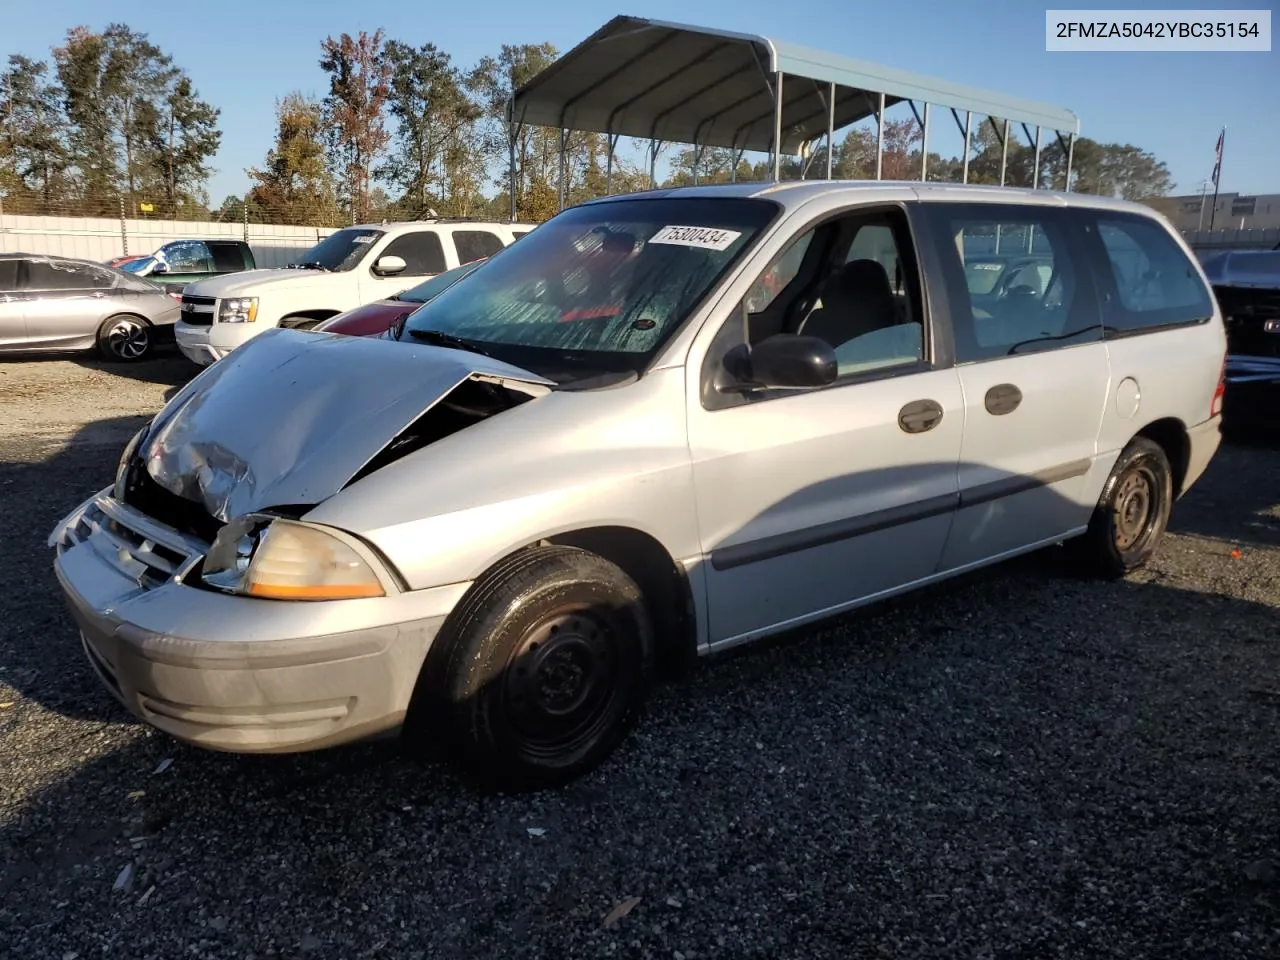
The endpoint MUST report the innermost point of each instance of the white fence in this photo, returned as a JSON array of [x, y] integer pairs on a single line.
[[104, 238]]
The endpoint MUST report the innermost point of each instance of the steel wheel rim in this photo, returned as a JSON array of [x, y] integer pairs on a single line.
[[128, 339], [560, 687], [1135, 507]]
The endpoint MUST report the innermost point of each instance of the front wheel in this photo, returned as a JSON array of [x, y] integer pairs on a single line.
[[541, 672], [1132, 514], [125, 338]]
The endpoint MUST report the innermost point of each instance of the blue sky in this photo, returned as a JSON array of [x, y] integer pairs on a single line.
[[246, 54]]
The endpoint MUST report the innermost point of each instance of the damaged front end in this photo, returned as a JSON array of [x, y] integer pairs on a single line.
[[253, 442]]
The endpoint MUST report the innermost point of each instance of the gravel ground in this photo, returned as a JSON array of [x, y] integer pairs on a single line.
[[1022, 765]]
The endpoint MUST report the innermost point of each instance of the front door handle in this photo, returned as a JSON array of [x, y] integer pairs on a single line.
[[919, 416], [1002, 398]]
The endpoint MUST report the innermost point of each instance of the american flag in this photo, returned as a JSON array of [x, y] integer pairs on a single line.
[[1217, 164]]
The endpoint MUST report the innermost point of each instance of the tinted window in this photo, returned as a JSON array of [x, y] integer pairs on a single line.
[[227, 257], [67, 275], [1155, 283], [422, 251], [1041, 298], [476, 244], [9, 275]]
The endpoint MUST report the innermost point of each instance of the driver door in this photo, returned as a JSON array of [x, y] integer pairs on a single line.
[[810, 502]]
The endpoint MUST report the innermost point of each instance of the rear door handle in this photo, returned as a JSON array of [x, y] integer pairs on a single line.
[[920, 415], [1002, 398]]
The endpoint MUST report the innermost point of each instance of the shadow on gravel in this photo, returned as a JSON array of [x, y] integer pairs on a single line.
[[1014, 764], [168, 366], [1238, 500]]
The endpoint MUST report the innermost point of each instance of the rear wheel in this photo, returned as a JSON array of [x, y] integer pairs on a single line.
[[541, 672], [1132, 514], [125, 338]]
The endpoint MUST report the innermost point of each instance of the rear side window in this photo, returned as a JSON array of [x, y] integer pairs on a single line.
[[1152, 281], [67, 275], [227, 257], [1016, 278], [476, 244], [422, 251]]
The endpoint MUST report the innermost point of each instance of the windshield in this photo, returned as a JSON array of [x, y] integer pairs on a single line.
[[430, 289], [603, 284], [340, 251]]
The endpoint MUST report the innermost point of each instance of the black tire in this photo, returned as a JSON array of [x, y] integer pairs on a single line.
[[125, 338], [1132, 513], [540, 673]]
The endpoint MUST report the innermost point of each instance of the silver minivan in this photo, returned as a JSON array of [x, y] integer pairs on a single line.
[[662, 425]]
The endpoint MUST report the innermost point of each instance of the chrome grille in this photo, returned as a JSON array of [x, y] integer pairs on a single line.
[[147, 552]]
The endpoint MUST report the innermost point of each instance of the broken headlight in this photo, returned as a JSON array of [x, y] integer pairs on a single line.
[[258, 556], [122, 468]]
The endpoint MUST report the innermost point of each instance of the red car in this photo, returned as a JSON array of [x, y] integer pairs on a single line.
[[379, 316]]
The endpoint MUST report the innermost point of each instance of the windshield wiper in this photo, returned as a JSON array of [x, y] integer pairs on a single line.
[[1062, 336], [310, 265], [448, 340]]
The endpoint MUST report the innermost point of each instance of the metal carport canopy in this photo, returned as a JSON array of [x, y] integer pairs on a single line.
[[672, 82]]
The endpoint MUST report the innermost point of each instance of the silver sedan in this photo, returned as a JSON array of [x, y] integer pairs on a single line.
[[57, 304]]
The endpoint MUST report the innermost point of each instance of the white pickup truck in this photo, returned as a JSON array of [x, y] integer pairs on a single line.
[[349, 268]]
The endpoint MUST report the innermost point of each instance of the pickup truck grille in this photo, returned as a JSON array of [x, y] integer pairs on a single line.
[[198, 311]]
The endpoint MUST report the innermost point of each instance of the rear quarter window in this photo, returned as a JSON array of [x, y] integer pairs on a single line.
[[1148, 281], [476, 244], [8, 275], [227, 257]]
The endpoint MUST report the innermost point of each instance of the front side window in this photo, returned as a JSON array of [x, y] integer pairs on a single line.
[[604, 282], [1155, 282], [340, 251], [187, 256], [1040, 297]]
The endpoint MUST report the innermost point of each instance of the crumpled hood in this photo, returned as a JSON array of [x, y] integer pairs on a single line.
[[290, 417], [251, 282]]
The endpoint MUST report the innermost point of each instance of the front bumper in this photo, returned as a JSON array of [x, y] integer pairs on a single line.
[[235, 673], [206, 344]]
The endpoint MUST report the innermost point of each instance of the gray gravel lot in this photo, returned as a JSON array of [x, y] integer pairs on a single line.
[[1017, 765]]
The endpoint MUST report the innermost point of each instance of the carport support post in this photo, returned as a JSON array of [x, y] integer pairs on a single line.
[[968, 132], [924, 144], [1071, 150], [612, 140], [777, 126], [513, 134], [1004, 153], [831, 127], [564, 142], [880, 137], [1035, 174]]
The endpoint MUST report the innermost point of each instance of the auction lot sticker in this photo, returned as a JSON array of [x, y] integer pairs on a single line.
[[707, 238]]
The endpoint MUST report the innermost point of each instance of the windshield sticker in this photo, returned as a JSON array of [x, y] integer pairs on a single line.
[[707, 238], [365, 238]]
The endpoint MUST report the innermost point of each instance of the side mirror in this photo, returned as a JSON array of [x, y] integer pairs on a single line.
[[783, 361], [390, 266], [160, 267]]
